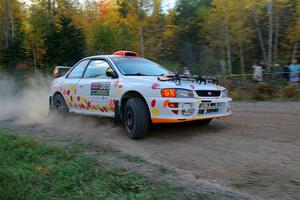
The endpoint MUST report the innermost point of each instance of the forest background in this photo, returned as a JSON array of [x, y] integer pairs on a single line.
[[207, 36]]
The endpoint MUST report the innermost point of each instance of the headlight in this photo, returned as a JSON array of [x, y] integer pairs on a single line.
[[178, 93], [224, 93]]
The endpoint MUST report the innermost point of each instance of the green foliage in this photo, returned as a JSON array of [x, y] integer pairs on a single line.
[[191, 44], [65, 43], [198, 34], [12, 35], [136, 159], [30, 170]]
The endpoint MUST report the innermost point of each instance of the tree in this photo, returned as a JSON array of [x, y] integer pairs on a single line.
[[11, 18], [228, 23], [65, 44], [189, 22], [52, 37], [294, 31]]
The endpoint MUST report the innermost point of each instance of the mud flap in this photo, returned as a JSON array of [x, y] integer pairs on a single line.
[[118, 114], [50, 109]]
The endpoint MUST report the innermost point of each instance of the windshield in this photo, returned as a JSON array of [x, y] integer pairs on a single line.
[[133, 66]]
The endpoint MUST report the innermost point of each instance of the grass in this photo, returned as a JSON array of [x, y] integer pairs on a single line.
[[162, 169], [207, 196], [34, 170], [134, 158]]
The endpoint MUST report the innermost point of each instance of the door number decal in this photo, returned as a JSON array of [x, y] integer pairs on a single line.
[[100, 88]]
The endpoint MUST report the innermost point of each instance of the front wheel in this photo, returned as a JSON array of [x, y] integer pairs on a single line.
[[136, 118]]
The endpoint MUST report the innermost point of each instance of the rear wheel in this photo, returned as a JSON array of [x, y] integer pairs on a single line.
[[59, 105], [136, 118], [203, 122]]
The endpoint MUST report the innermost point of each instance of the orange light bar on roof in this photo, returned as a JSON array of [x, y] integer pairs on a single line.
[[126, 53]]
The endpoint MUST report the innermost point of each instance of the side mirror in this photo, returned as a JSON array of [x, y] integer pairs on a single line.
[[111, 73]]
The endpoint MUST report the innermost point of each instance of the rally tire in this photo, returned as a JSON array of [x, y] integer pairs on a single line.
[[59, 106], [203, 122], [136, 118]]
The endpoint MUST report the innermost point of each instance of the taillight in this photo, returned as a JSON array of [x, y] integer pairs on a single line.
[[55, 72]]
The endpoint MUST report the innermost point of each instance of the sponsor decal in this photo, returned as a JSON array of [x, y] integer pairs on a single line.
[[100, 88], [153, 102], [155, 112], [198, 100], [116, 84], [166, 103], [155, 86], [119, 92]]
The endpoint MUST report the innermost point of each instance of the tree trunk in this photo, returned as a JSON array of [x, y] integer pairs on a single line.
[[6, 23], [222, 55], [11, 18], [6, 35], [270, 42], [260, 37], [227, 41], [34, 57], [142, 41], [295, 50], [276, 37], [241, 54]]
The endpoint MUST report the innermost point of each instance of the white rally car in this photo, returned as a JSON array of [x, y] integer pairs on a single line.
[[138, 92]]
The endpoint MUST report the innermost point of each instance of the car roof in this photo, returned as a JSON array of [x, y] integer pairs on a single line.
[[110, 56], [97, 56]]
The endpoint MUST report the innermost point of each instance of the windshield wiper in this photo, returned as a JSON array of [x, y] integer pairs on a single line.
[[136, 74]]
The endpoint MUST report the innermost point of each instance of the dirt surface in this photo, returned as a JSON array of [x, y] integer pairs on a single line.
[[256, 152]]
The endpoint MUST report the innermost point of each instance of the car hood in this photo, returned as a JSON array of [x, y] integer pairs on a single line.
[[152, 81]]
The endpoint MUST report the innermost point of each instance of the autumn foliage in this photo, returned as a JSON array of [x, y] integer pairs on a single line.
[[200, 34]]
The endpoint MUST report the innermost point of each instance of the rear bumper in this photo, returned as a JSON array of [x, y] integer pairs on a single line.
[[188, 109]]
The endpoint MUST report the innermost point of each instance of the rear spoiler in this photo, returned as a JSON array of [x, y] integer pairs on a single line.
[[60, 71]]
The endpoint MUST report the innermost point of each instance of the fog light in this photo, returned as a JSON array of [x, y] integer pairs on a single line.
[[175, 112], [187, 109], [173, 105]]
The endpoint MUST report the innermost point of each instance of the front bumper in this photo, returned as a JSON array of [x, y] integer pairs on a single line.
[[188, 109]]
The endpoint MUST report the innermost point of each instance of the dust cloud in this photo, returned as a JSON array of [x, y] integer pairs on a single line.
[[24, 99]]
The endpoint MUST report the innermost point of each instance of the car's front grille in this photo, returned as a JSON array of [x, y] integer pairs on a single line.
[[210, 108], [208, 93]]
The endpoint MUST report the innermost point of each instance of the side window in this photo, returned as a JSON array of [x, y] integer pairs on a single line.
[[78, 70], [96, 68]]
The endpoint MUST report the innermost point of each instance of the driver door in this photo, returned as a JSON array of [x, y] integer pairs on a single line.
[[95, 88], [69, 86]]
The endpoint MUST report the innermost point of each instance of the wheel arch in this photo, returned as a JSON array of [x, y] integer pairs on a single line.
[[129, 94], [57, 93], [51, 98]]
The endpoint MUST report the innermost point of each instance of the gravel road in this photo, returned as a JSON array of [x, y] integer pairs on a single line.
[[257, 151]]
